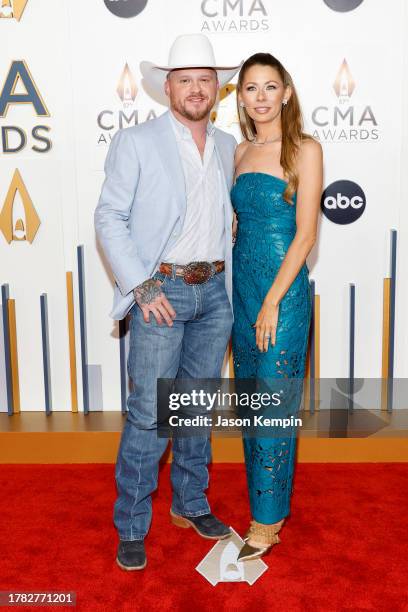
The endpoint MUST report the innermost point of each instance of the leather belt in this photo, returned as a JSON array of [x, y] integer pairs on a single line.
[[195, 272]]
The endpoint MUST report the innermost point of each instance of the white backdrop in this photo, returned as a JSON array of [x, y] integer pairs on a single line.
[[76, 58]]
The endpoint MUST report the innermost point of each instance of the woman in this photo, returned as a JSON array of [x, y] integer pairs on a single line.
[[276, 198]]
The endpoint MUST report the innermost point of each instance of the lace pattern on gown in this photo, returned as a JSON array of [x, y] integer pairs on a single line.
[[266, 228]]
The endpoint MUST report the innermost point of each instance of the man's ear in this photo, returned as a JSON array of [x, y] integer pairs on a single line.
[[167, 87]]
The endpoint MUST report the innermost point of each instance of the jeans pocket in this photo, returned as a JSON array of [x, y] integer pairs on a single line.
[[160, 277], [220, 276]]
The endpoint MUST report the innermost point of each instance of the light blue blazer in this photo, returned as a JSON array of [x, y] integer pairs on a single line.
[[142, 205]]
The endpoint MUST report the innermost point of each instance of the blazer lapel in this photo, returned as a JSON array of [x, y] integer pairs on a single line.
[[225, 181], [227, 163], [167, 148]]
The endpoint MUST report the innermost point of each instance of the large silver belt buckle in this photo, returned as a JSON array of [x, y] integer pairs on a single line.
[[198, 272]]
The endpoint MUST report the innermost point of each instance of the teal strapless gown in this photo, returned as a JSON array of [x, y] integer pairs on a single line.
[[266, 228]]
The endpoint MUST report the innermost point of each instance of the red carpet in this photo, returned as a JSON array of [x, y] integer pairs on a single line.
[[344, 547]]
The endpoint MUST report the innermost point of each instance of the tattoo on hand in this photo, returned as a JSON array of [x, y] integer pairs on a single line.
[[147, 292]]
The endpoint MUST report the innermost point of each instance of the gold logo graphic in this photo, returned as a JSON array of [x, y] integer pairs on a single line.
[[126, 89], [18, 218], [344, 84], [224, 92], [12, 9]]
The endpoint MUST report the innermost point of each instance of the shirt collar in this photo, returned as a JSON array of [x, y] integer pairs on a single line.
[[184, 132]]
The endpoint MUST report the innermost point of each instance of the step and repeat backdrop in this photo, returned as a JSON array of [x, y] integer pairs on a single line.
[[70, 78]]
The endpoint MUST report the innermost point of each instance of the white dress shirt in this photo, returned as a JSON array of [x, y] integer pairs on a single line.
[[202, 235]]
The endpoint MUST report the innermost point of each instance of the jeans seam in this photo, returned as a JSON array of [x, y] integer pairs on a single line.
[[197, 302], [138, 539], [137, 494], [185, 475], [206, 441], [192, 514]]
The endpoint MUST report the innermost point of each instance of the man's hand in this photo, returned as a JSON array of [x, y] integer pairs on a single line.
[[150, 298]]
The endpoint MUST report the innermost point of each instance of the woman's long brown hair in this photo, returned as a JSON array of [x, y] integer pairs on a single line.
[[291, 119]]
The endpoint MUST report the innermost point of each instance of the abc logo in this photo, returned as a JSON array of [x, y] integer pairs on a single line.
[[343, 6], [343, 202], [125, 8]]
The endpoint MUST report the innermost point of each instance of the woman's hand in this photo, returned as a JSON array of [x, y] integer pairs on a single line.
[[266, 325]]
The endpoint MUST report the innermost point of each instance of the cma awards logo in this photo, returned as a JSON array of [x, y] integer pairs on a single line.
[[344, 121], [126, 116], [12, 9], [234, 16], [18, 218], [20, 89], [343, 202], [125, 8]]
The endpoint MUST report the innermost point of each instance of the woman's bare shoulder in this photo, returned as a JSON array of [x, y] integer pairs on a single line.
[[240, 151], [310, 147], [310, 152]]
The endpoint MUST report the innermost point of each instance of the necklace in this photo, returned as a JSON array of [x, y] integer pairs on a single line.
[[260, 144]]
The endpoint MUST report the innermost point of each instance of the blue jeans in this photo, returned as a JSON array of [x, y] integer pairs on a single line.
[[194, 347]]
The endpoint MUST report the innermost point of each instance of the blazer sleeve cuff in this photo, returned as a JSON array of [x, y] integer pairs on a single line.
[[127, 282]]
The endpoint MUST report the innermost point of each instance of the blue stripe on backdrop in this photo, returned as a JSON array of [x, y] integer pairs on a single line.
[[312, 350], [122, 354], [3, 378], [82, 324], [352, 344], [390, 386], [46, 352], [95, 387], [7, 355]]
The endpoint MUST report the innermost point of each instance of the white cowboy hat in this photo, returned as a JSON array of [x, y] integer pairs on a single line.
[[187, 51]]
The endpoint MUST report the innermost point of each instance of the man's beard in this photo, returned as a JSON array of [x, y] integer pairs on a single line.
[[193, 115]]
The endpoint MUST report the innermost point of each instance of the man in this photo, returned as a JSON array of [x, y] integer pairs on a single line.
[[165, 204]]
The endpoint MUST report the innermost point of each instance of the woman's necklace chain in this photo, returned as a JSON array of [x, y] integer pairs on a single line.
[[260, 144]]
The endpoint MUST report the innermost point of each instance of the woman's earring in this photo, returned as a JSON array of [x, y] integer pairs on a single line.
[[242, 105], [284, 102]]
